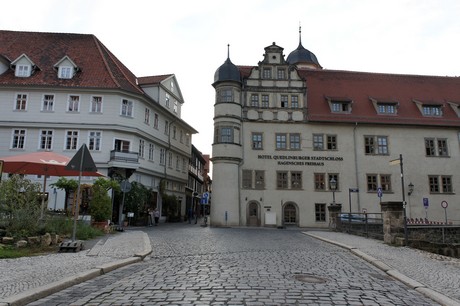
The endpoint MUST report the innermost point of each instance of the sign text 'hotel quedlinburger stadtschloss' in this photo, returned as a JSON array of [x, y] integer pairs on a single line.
[[300, 160]]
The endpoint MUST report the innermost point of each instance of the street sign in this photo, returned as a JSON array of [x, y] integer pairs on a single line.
[[444, 204], [82, 159], [379, 192], [425, 202], [125, 186], [353, 190], [204, 198]]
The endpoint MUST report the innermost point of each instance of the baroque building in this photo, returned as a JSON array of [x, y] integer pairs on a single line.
[[60, 90], [291, 138]]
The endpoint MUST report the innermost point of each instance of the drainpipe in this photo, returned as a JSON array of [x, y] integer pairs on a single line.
[[356, 165]]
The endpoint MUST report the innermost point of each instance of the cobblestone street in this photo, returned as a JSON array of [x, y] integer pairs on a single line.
[[191, 265]]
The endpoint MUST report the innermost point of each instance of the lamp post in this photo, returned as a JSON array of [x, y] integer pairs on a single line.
[[333, 187], [399, 162], [411, 189]]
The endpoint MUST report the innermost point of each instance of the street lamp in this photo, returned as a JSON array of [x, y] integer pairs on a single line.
[[399, 162], [333, 187], [411, 189]]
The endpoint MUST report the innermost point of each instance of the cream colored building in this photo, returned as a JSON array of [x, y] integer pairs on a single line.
[[286, 127]]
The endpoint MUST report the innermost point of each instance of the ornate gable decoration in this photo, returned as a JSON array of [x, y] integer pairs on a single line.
[[66, 68]]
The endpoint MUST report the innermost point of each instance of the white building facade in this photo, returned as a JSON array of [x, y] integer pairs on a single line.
[[59, 91], [286, 128]]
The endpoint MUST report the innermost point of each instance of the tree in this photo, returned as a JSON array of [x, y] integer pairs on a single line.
[[20, 205], [101, 204], [68, 185]]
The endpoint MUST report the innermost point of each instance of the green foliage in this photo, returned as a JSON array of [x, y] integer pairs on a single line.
[[101, 204], [137, 199], [67, 185], [20, 206], [63, 226], [171, 207]]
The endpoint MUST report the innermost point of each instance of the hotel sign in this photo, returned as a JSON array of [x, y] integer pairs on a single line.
[[300, 160]]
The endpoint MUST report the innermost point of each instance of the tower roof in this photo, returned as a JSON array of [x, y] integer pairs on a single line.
[[303, 56], [227, 71]]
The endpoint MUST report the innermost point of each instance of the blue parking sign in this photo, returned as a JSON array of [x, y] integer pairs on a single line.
[[379, 192], [425, 202]]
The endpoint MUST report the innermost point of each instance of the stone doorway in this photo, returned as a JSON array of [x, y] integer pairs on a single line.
[[253, 214]]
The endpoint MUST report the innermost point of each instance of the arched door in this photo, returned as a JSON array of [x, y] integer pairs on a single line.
[[253, 214], [290, 214]]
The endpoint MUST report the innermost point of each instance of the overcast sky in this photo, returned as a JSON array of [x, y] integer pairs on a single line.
[[189, 38]]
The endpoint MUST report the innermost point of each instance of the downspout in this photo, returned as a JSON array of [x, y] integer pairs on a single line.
[[356, 165]]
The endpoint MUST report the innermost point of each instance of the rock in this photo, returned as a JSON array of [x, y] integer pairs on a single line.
[[7, 240], [21, 244], [45, 240], [33, 240], [55, 239]]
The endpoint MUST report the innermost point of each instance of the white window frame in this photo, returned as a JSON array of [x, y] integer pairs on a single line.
[[48, 104], [23, 71], [94, 140], [96, 104], [45, 140], [71, 139], [65, 72], [127, 108], [73, 104], [18, 139], [20, 101]]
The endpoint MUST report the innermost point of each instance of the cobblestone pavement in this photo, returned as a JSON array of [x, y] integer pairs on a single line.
[[437, 272], [25, 273], [192, 265]]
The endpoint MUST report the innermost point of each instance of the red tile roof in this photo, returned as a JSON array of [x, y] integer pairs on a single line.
[[360, 87], [152, 80], [99, 67]]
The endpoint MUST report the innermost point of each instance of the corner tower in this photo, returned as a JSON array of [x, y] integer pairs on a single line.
[[227, 149]]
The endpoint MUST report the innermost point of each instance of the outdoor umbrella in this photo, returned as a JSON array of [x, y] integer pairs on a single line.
[[41, 163]]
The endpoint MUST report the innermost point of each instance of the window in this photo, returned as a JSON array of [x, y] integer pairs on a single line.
[[170, 159], [294, 141], [296, 180], [162, 156], [22, 70], [372, 183], [181, 136], [96, 104], [141, 148], [267, 73], [376, 145], [260, 179], [265, 101], [147, 116], [331, 142], [127, 108], [122, 145], [21, 102], [254, 100], [432, 110], [385, 182], [320, 212], [151, 151], [177, 162], [166, 127], [71, 141], [19, 139], [318, 142], [94, 140], [74, 104], [226, 134], [281, 141], [281, 179], [174, 135], [167, 103], [247, 179], [385, 108], [320, 181], [294, 102], [65, 72], [155, 121], [340, 107], [46, 139], [440, 184], [176, 108], [436, 147], [281, 73], [225, 95], [184, 165], [48, 103], [257, 141], [284, 101]]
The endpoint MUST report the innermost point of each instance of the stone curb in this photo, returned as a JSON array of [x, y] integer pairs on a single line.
[[417, 286], [37, 293]]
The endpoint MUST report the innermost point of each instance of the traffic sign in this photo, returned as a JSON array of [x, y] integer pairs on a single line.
[[125, 186], [425, 202], [353, 190], [444, 204], [379, 192]]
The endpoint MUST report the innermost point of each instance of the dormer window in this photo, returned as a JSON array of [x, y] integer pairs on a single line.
[[66, 68], [455, 107], [385, 106], [23, 71], [429, 109], [340, 105]]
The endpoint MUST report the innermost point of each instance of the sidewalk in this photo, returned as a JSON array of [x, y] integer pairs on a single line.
[[27, 279], [435, 276]]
